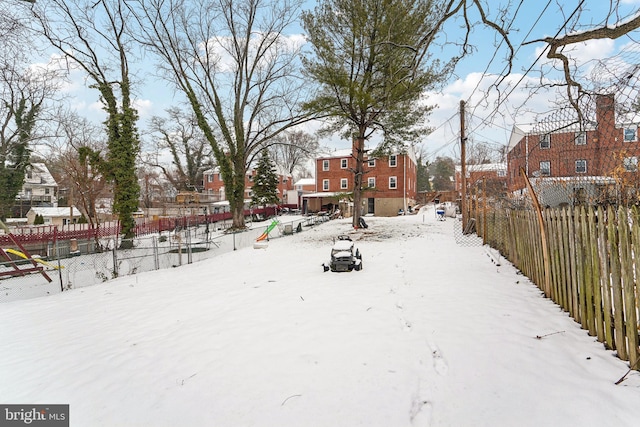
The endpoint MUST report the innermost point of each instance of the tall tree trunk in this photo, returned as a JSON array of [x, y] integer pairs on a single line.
[[358, 148]]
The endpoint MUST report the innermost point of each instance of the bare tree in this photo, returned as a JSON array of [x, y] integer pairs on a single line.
[[613, 25], [189, 150], [238, 71], [83, 182], [93, 36], [24, 95], [292, 150]]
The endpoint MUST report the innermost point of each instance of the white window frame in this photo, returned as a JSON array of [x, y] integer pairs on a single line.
[[630, 133], [581, 138], [545, 141], [393, 161], [325, 185], [393, 183], [325, 165], [581, 169], [210, 177], [372, 163], [545, 171], [630, 164], [344, 183], [371, 182], [344, 163]]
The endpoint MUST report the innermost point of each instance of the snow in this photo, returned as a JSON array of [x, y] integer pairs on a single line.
[[429, 333]]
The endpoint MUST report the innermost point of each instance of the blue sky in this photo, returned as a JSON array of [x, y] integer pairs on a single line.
[[489, 122]]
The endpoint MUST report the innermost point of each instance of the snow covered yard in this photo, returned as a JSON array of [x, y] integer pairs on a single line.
[[429, 333]]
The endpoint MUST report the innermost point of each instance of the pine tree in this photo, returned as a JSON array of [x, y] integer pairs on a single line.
[[265, 182]]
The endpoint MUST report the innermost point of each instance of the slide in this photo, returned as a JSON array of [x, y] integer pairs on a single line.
[[266, 233], [21, 255]]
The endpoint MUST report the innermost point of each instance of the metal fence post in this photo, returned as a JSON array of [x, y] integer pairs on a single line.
[[115, 260], [156, 258]]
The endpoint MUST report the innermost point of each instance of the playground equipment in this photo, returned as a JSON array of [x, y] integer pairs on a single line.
[[15, 269], [267, 231]]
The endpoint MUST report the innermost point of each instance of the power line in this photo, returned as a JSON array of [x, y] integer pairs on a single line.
[[501, 100]]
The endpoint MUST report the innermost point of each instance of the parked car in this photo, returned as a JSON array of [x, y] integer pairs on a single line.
[[344, 256]]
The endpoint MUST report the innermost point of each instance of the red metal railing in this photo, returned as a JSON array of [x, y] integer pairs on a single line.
[[47, 233]]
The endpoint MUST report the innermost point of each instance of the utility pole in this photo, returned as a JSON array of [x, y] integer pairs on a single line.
[[463, 168]]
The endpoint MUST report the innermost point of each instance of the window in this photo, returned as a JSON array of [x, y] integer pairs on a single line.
[[325, 185], [581, 138], [325, 165], [210, 178], [581, 166], [393, 182], [344, 163], [344, 183], [545, 140], [501, 173], [371, 182], [631, 133], [393, 161], [630, 164], [545, 168], [372, 163]]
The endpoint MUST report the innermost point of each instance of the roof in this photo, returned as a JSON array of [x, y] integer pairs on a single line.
[[348, 152], [55, 212], [333, 194], [40, 175], [485, 167], [305, 181]]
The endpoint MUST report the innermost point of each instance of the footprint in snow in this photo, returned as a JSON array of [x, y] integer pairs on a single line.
[[439, 363]]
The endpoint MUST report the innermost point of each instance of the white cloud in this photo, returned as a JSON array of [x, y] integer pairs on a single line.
[[490, 113]]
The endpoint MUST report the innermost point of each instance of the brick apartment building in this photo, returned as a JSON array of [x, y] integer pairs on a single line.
[[213, 186], [390, 182], [575, 165], [492, 176]]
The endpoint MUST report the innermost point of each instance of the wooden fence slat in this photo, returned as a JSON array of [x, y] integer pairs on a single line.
[[628, 286], [635, 244], [605, 268], [551, 223], [596, 278], [566, 269], [616, 285], [571, 263], [587, 263]]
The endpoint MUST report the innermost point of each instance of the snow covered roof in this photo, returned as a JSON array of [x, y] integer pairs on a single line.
[[55, 212], [38, 173], [322, 194], [305, 181], [346, 152], [486, 167]]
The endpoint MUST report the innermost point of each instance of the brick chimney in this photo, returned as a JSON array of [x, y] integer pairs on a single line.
[[606, 119]]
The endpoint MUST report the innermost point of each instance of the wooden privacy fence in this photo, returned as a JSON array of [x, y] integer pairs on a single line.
[[593, 259]]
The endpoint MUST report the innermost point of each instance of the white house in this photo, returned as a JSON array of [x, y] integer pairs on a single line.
[[54, 216], [39, 188]]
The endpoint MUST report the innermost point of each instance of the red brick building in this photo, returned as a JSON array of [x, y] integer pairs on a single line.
[[390, 182], [582, 160], [490, 175], [214, 186]]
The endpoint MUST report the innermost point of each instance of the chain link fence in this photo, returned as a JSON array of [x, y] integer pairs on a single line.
[[567, 211], [72, 264]]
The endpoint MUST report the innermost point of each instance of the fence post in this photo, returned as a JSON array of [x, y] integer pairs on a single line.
[[115, 259], [543, 235], [156, 259], [189, 258]]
